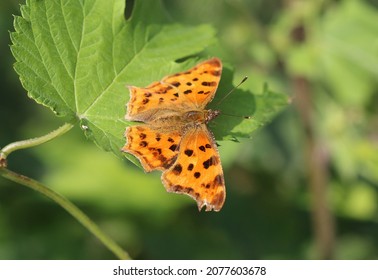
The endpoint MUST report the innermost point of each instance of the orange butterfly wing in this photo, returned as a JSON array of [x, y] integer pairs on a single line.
[[154, 150], [174, 137], [197, 171], [183, 91]]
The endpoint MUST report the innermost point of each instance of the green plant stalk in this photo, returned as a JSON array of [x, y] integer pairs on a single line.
[[4, 152], [69, 207], [59, 199]]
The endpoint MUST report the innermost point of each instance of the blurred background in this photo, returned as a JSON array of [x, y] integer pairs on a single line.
[[304, 187]]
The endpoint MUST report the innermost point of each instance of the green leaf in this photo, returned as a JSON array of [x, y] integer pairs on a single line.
[[261, 108], [349, 59], [76, 57]]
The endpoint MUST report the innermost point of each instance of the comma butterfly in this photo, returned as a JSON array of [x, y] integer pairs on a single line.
[[174, 137]]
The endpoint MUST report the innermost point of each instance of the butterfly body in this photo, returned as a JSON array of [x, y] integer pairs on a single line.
[[173, 136], [201, 116]]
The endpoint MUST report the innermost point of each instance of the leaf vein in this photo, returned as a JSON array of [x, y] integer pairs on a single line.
[[136, 55], [48, 29], [77, 59]]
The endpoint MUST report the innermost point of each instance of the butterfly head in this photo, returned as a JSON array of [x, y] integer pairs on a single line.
[[211, 114]]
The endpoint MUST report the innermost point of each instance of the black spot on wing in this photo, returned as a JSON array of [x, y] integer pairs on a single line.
[[209, 162], [218, 180], [173, 147], [177, 169], [209, 84]]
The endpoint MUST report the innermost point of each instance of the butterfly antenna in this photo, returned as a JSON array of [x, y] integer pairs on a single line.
[[245, 117], [224, 97]]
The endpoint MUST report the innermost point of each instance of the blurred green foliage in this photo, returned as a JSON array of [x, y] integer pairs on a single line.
[[333, 45]]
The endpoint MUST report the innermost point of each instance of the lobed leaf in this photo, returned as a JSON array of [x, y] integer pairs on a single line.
[[76, 57]]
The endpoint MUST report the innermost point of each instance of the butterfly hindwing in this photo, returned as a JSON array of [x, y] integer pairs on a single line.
[[154, 150], [197, 170]]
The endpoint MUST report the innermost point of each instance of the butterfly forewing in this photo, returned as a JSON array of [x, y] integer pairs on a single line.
[[187, 90], [199, 84]]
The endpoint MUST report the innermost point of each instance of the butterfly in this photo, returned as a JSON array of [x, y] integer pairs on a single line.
[[173, 136]]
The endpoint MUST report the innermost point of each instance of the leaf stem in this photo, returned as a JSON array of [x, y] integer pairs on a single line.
[[69, 207], [4, 152]]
